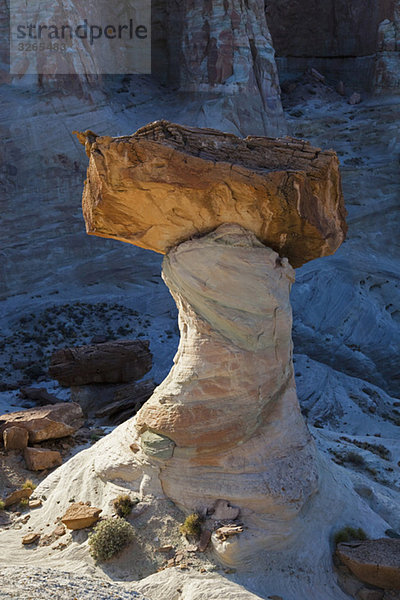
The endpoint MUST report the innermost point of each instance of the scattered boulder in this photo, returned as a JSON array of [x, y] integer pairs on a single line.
[[39, 395], [120, 361], [17, 496], [376, 562], [80, 515], [30, 538], [157, 446], [223, 510], [37, 503], [113, 403], [47, 422], [39, 459], [15, 438]]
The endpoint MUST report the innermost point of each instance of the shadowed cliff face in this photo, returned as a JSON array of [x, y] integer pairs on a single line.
[[340, 38]]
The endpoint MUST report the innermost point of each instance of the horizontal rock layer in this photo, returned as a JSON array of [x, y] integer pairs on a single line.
[[167, 183]]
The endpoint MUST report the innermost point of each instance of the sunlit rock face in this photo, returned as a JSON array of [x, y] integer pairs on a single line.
[[166, 183], [229, 404]]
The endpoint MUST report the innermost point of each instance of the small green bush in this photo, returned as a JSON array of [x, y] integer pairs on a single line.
[[109, 538], [24, 502], [29, 485], [349, 534], [123, 505], [191, 525], [2, 505]]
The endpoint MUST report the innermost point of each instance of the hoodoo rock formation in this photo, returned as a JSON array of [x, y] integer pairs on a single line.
[[225, 424]]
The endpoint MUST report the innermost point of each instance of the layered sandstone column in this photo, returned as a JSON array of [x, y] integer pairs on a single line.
[[233, 217]]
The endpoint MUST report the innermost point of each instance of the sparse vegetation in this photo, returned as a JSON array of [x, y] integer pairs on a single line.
[[349, 534], [2, 505], [123, 505], [354, 458], [29, 485], [109, 538], [24, 502], [191, 525]]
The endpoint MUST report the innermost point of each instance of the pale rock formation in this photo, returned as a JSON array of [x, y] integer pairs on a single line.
[[166, 183], [220, 55], [17, 496]]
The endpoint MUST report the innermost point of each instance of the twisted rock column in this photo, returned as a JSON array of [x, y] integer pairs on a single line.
[[229, 407]]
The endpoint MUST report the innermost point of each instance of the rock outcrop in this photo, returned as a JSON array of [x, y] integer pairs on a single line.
[[121, 361], [45, 423], [387, 68], [376, 562], [167, 183]]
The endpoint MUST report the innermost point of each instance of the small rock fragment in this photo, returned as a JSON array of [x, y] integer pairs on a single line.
[[80, 515], [59, 531], [355, 98], [35, 503], [223, 533], [340, 88], [165, 549], [30, 538]]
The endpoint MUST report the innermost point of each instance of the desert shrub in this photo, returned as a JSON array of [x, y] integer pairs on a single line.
[[123, 505], [354, 458], [109, 538], [349, 534], [29, 485], [24, 502], [2, 505], [191, 525]]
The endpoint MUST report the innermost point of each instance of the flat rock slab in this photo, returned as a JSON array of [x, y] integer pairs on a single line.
[[39, 459], [45, 423], [17, 496], [376, 562], [80, 515], [168, 183], [120, 361]]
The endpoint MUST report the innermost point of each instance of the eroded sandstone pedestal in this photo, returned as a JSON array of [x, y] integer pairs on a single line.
[[233, 217], [228, 410]]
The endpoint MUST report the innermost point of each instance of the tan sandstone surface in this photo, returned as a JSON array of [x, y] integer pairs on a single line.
[[166, 183]]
